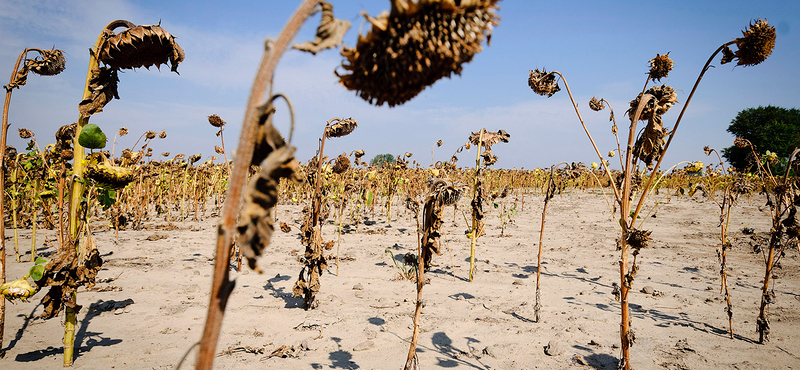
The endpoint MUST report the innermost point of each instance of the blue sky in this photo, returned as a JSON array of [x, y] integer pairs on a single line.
[[602, 48]]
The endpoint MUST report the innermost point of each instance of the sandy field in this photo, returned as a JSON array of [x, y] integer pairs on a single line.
[[150, 305]]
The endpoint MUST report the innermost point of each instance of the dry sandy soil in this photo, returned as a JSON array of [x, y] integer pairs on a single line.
[[150, 307]]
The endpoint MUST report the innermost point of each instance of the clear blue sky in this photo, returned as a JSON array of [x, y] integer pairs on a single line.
[[602, 48]]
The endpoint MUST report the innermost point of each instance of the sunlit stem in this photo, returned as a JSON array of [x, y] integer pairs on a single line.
[[475, 221], [675, 128], [597, 151]]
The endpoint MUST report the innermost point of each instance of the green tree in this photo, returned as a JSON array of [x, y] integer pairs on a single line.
[[383, 159], [768, 128]]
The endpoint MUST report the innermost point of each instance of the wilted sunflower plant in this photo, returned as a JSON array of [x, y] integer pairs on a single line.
[[133, 47], [483, 141], [47, 63], [314, 263], [372, 62], [648, 147]]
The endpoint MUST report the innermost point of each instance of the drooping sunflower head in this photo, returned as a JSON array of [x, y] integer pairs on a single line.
[[596, 105], [139, 46], [216, 121], [342, 163], [741, 142], [543, 83], [414, 46], [756, 43], [52, 62], [341, 128]]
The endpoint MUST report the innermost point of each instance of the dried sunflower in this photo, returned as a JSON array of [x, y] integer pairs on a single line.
[[756, 43], [52, 62], [216, 121], [342, 164], [341, 128], [139, 46], [25, 133], [740, 142], [660, 66], [543, 82], [414, 46], [596, 105]]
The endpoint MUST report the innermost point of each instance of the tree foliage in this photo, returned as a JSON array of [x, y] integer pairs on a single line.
[[768, 128], [383, 159]]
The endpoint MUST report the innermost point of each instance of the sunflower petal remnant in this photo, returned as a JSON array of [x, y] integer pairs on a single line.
[[414, 46]]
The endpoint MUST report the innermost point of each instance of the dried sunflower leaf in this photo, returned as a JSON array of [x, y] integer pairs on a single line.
[[330, 32]]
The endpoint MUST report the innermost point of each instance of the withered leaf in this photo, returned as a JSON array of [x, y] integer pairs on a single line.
[[330, 32]]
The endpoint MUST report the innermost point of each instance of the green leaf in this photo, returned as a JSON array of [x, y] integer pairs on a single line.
[[37, 271], [40, 260], [369, 198], [92, 137]]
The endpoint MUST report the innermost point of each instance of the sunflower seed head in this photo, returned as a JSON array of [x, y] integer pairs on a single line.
[[756, 43], [341, 128], [543, 83], [414, 46], [342, 164], [740, 142], [140, 46], [596, 105], [25, 133], [52, 63], [660, 66], [216, 121]]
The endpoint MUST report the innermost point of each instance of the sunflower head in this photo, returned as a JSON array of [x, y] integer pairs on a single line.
[[756, 43], [139, 46], [342, 164], [596, 105], [543, 82], [414, 46], [216, 121], [341, 128], [660, 66], [52, 62], [741, 142]]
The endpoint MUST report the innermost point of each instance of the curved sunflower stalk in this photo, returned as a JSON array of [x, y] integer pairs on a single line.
[[134, 47], [754, 47], [47, 63]]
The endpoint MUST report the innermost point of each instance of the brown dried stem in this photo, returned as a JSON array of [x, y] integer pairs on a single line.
[[221, 286], [646, 187]]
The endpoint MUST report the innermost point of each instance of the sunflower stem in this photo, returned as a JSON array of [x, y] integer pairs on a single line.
[[221, 286]]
